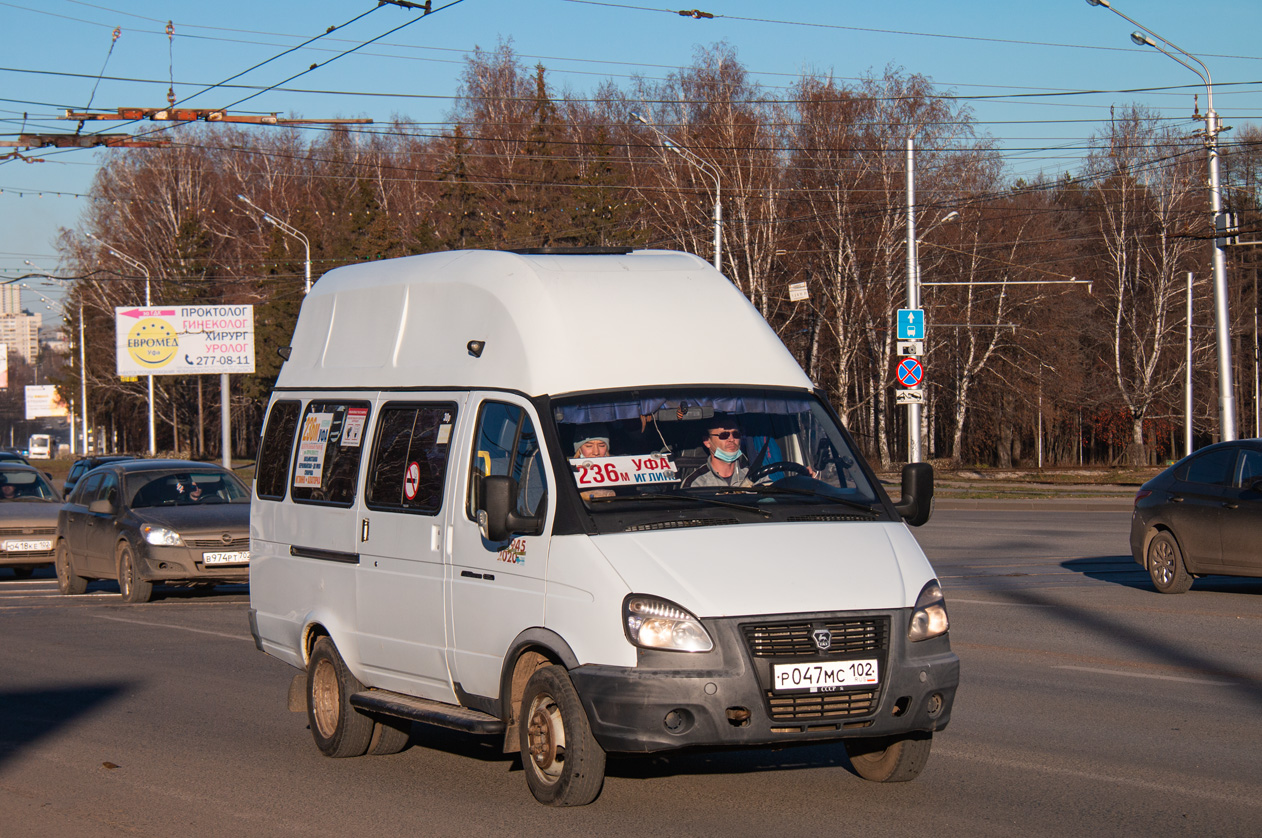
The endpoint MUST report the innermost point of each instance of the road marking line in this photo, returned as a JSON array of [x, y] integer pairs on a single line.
[[1148, 675], [169, 626], [1245, 797]]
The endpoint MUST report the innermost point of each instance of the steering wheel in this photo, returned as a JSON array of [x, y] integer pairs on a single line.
[[771, 468]]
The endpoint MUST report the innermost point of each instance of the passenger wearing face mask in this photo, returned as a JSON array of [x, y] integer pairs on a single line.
[[723, 467]]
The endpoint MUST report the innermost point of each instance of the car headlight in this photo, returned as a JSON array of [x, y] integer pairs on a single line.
[[929, 618], [656, 623], [161, 536]]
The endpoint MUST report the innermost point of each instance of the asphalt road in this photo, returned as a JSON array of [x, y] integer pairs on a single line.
[[1089, 704]]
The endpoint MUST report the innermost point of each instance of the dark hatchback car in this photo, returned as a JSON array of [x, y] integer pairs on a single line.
[[146, 521], [1201, 516], [83, 465]]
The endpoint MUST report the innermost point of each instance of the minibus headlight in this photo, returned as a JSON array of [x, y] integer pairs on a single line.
[[162, 536], [929, 618], [656, 623]]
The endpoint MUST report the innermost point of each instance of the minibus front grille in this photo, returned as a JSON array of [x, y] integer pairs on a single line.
[[805, 707], [691, 522], [847, 636]]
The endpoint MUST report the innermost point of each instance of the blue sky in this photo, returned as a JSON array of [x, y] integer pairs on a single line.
[[998, 52]]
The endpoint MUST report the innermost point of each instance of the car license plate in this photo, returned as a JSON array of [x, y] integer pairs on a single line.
[[27, 546], [230, 557], [823, 676]]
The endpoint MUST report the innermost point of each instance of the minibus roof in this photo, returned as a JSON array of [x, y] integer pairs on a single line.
[[547, 324]]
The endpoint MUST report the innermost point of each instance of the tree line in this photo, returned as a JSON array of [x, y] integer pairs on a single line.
[[1056, 307]]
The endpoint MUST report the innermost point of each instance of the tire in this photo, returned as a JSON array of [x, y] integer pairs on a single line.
[[389, 736], [134, 589], [891, 759], [68, 582], [563, 762], [23, 572], [338, 728], [1165, 565]]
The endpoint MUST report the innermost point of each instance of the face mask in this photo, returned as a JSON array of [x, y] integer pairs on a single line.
[[727, 456]]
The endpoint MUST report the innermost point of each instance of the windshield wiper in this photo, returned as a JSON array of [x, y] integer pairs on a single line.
[[785, 490], [681, 496]]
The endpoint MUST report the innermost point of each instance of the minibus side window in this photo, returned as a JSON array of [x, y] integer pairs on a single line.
[[278, 444], [409, 460], [326, 467], [506, 444]]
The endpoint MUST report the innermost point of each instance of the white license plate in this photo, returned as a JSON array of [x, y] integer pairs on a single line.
[[231, 557], [27, 546], [823, 676]]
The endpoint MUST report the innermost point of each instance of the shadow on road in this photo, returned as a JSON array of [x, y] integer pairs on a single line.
[[1125, 571], [27, 716]]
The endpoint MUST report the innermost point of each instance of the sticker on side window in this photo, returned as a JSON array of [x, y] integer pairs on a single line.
[[353, 429], [309, 470]]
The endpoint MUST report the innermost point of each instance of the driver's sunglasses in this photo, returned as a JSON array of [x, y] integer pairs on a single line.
[[727, 434]]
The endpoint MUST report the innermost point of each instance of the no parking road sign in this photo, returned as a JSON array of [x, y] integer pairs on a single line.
[[910, 373]]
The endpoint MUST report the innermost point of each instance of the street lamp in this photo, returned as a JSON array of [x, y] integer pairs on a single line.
[[1222, 320], [288, 230], [153, 436], [707, 168]]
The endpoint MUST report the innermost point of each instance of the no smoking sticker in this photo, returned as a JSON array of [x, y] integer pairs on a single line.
[[411, 480]]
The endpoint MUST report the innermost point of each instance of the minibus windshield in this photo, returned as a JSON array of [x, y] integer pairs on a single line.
[[720, 446]]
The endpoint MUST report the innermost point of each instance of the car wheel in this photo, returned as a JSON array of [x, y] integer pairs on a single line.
[[134, 589], [1165, 565], [338, 728], [23, 572], [890, 759], [389, 736], [68, 582], [564, 764]]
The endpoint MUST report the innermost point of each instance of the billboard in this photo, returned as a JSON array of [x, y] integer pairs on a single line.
[[4, 366], [184, 340], [42, 402]]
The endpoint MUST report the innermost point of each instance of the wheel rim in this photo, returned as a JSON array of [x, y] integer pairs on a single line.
[[324, 698], [1161, 563], [124, 575], [547, 738]]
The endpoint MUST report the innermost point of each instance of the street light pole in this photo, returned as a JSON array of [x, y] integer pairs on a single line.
[[706, 168], [1222, 318], [153, 435], [288, 230]]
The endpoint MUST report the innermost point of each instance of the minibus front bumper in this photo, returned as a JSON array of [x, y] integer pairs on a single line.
[[725, 697]]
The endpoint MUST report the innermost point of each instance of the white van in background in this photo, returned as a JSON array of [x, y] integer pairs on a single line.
[[40, 447], [474, 507]]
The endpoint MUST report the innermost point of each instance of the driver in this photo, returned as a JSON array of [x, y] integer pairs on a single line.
[[723, 467], [8, 491]]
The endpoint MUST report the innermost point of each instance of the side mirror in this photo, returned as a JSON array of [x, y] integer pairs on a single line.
[[101, 507], [917, 502], [497, 516]]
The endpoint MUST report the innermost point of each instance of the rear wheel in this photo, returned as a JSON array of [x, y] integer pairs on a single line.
[[1165, 565], [134, 589], [68, 582], [338, 728], [890, 759], [563, 762], [389, 736]]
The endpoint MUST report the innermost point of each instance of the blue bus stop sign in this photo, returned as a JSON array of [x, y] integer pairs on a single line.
[[911, 324]]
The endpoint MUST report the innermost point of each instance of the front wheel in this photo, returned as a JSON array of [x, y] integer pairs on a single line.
[[134, 589], [890, 759], [1165, 565], [338, 728], [68, 582], [564, 764]]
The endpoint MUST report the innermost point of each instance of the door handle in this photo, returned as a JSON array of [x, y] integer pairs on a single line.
[[1230, 504], [363, 530], [1176, 498]]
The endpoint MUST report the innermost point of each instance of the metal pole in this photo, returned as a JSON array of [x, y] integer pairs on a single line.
[[913, 292], [1222, 319], [83, 381], [225, 421], [153, 433], [718, 230], [1187, 381]]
